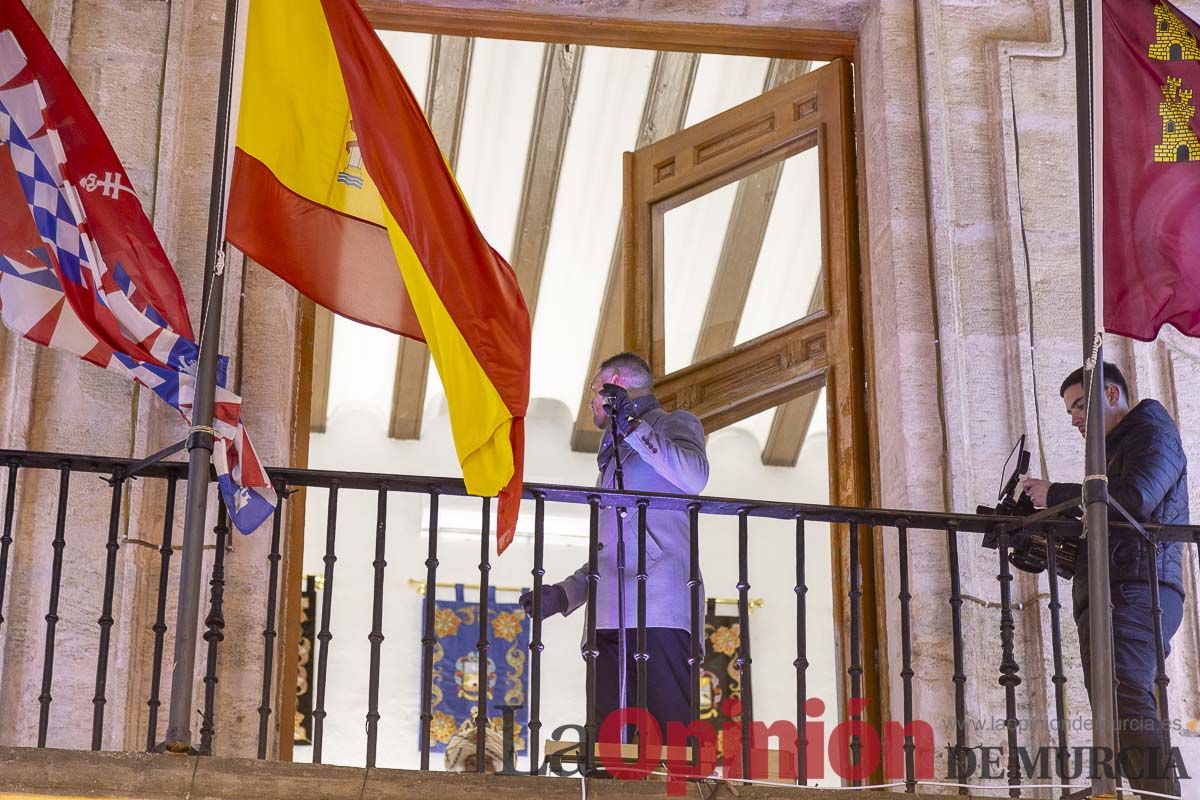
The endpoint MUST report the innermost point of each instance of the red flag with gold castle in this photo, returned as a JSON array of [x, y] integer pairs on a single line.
[[1151, 169]]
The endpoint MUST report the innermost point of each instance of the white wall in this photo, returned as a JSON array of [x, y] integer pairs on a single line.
[[356, 438]]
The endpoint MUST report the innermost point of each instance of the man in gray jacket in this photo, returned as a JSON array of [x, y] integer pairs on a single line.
[[660, 452]]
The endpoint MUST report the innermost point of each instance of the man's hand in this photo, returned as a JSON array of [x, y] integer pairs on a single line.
[[1037, 489], [620, 407], [554, 601]]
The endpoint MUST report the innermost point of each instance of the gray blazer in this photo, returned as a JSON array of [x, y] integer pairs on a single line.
[[664, 453]]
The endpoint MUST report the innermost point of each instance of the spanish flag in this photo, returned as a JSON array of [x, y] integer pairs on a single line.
[[340, 189]]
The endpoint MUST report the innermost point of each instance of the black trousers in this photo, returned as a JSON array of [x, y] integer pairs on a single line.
[[1140, 731], [668, 683]]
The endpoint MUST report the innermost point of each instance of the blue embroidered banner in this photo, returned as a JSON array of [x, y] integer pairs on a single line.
[[457, 676]]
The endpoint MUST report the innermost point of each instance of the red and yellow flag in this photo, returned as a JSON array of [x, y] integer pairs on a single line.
[[1151, 169], [340, 189]]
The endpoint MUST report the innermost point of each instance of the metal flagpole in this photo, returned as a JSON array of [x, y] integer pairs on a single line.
[[1089, 87], [622, 667], [200, 439]]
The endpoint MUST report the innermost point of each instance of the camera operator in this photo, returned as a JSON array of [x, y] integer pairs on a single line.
[[660, 451], [1147, 475]]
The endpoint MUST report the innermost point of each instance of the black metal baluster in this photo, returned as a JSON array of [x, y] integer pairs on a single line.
[[801, 662], [590, 648], [697, 603], [535, 641], [215, 633], [160, 617], [106, 618], [60, 543], [264, 706], [906, 670], [428, 636], [641, 654], [1161, 681], [743, 658], [855, 669], [960, 675], [1059, 679], [324, 636], [484, 644], [10, 496], [376, 635], [1009, 668]]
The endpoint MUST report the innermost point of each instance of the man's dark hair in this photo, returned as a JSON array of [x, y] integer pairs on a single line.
[[632, 367], [1112, 377]]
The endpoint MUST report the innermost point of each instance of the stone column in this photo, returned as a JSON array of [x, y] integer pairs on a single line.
[[115, 54], [149, 69]]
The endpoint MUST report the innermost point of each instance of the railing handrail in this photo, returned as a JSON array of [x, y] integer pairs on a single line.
[[581, 495], [117, 473]]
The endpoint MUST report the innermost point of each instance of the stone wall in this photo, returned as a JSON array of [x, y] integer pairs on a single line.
[[970, 242], [996, 89], [150, 71]]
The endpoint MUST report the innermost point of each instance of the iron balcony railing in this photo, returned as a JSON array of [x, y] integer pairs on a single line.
[[901, 524]]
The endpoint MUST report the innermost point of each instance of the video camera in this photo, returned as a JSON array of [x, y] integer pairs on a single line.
[[1027, 549], [1011, 502]]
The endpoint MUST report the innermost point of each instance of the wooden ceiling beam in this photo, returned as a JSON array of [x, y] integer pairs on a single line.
[[662, 115], [557, 90], [446, 92], [408, 389], [789, 427], [789, 430], [445, 104], [321, 362], [744, 235]]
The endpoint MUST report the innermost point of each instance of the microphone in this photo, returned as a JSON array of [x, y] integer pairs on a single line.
[[608, 394]]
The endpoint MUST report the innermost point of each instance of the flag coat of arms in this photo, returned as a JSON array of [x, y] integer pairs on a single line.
[[1151, 169], [81, 269], [340, 189]]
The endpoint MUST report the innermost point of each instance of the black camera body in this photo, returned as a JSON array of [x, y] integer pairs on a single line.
[[1008, 507], [1028, 551]]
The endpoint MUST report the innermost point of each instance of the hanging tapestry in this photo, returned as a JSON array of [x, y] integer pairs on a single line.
[[308, 631], [720, 678], [457, 676]]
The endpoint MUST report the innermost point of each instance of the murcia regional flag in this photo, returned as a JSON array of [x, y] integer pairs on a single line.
[[340, 189], [1151, 169]]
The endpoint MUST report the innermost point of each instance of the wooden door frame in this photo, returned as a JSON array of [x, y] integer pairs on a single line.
[[759, 134], [691, 37], [854, 488], [813, 111]]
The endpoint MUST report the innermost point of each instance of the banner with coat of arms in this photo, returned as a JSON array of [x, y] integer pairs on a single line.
[[305, 660], [720, 678], [457, 676]]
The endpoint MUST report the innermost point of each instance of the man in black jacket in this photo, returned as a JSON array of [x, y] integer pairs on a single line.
[[1147, 475]]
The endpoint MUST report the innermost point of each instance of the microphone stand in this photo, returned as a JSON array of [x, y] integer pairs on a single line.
[[618, 474]]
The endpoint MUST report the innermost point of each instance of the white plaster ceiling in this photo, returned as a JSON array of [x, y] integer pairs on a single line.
[[501, 96]]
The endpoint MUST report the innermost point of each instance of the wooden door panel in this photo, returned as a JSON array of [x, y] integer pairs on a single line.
[[752, 377], [824, 348], [811, 111]]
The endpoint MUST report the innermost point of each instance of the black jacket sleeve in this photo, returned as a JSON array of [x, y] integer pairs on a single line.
[[1062, 492], [1152, 466], [1149, 472]]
